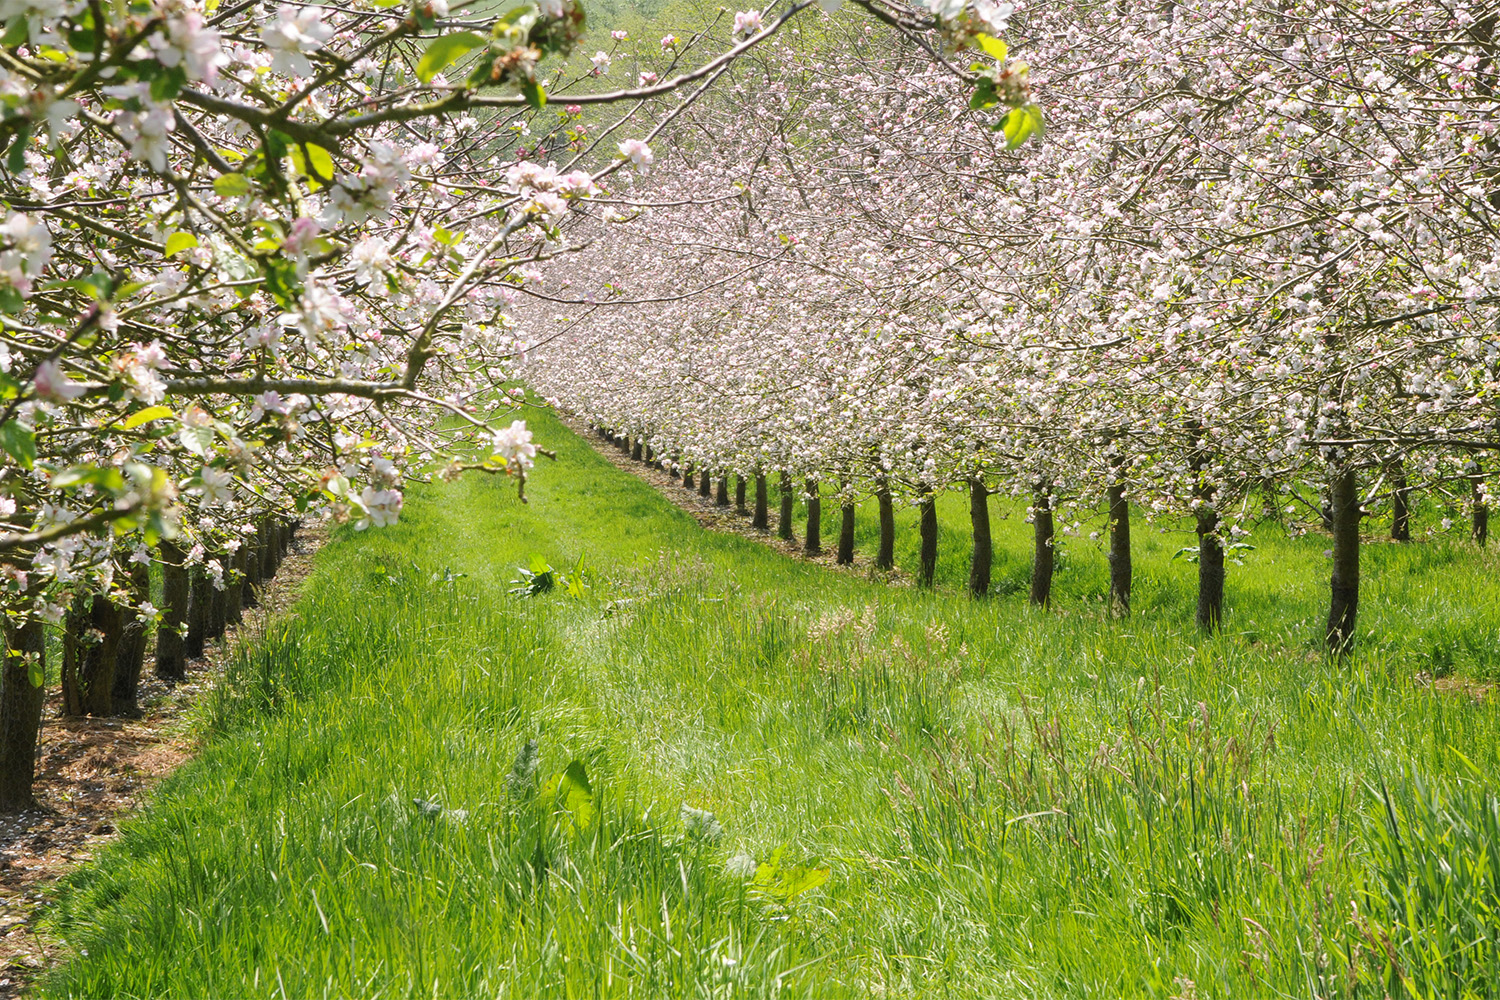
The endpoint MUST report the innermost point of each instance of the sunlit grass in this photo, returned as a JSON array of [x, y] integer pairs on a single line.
[[1007, 802]]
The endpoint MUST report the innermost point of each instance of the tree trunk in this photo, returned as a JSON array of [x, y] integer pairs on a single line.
[[1210, 545], [1119, 549], [687, 477], [91, 644], [706, 483], [267, 549], [983, 554], [1210, 567], [846, 534], [1400, 502], [784, 526], [1044, 556], [927, 527], [721, 494], [20, 712], [885, 554], [218, 608], [739, 494], [132, 654], [236, 590], [1343, 605], [1479, 526], [74, 639], [197, 633], [251, 545], [637, 450], [649, 456], [762, 518], [171, 651], [812, 542]]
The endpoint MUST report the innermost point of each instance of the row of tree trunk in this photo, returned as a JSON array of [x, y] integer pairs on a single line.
[[104, 645], [1342, 516]]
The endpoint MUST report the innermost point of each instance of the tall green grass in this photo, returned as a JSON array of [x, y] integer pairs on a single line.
[[962, 799]]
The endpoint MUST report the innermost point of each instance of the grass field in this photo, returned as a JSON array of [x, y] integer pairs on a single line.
[[912, 794]]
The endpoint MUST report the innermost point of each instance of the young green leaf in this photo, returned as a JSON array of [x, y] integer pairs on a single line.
[[992, 45], [19, 443], [178, 242], [444, 50]]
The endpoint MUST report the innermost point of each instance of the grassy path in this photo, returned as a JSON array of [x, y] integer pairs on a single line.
[[962, 800]]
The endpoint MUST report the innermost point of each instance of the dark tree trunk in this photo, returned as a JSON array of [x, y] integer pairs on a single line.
[[132, 655], [235, 592], [983, 554], [251, 569], [1210, 567], [1400, 502], [739, 494], [706, 483], [637, 450], [928, 529], [846, 534], [218, 609], [1343, 605], [93, 676], [812, 542], [20, 712], [1119, 549], [75, 638], [649, 456], [784, 525], [721, 492], [198, 607], [1044, 556], [1479, 526], [762, 518], [171, 651], [267, 551], [687, 477], [1210, 545], [885, 553]]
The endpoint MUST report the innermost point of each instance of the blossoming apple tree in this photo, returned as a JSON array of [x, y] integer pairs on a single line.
[[258, 260]]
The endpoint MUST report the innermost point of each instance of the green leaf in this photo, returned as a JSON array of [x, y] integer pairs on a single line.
[[17, 32], [178, 242], [16, 161], [992, 45], [313, 162], [145, 416], [443, 50], [91, 475], [781, 884], [231, 186], [34, 672], [197, 440], [571, 792], [984, 95], [19, 443], [534, 94], [168, 83], [1020, 125]]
